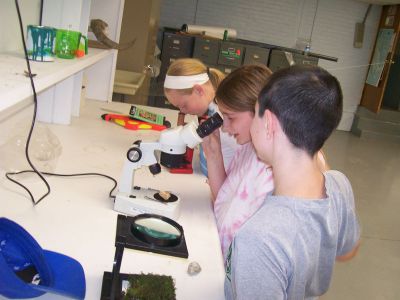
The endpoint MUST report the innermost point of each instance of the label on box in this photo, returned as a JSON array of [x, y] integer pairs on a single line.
[[146, 116]]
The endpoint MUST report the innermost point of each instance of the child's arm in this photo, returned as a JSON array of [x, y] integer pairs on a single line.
[[215, 162], [350, 232], [323, 165], [349, 255]]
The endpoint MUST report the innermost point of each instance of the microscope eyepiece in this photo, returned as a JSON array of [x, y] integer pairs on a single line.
[[207, 127]]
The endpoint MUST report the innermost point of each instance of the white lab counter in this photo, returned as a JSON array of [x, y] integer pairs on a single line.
[[78, 219]]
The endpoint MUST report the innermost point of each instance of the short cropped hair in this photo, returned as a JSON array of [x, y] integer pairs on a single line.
[[308, 102]]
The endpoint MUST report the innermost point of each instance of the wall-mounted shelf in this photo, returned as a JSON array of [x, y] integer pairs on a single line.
[[15, 86], [58, 84]]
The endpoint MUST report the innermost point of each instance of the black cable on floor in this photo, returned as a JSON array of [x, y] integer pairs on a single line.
[[34, 170]]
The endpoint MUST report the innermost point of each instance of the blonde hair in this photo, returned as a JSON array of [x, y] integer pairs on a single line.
[[192, 66], [239, 90]]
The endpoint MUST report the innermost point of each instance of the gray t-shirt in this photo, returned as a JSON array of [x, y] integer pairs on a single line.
[[287, 250]]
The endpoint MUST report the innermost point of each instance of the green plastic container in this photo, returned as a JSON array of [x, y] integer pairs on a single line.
[[67, 43]]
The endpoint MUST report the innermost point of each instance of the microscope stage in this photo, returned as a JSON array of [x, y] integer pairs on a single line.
[[142, 200]]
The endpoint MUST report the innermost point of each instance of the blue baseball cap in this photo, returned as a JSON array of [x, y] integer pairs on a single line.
[[28, 271]]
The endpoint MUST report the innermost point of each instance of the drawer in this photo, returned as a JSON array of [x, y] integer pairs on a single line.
[[171, 54], [165, 63], [177, 45], [231, 54], [305, 60], [278, 60], [225, 69], [256, 55], [206, 50]]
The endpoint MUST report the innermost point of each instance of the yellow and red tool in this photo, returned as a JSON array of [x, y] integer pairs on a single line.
[[131, 124]]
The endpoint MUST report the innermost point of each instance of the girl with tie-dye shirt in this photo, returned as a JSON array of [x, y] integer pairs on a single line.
[[241, 190]]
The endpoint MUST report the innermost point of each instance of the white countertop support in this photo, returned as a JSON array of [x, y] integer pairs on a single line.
[[100, 80]]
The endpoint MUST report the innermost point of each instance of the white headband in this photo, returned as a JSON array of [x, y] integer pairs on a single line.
[[184, 82]]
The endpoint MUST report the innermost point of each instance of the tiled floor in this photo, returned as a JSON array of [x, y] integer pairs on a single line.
[[373, 167]]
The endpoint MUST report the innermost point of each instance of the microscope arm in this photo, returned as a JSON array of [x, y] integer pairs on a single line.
[[138, 155]]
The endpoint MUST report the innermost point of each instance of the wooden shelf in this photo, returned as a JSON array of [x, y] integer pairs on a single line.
[[15, 87]]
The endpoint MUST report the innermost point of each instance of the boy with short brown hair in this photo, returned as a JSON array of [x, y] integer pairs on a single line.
[[287, 250]]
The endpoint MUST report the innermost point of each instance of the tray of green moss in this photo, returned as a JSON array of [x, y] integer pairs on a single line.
[[140, 287], [150, 287]]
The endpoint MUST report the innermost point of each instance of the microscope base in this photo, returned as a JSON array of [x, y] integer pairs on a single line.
[[142, 201]]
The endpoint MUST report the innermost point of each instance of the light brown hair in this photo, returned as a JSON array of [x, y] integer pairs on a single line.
[[239, 90], [192, 66]]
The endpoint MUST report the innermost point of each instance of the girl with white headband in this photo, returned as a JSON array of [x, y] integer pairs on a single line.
[[190, 86]]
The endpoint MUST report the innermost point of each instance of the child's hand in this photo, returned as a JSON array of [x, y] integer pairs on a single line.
[[212, 145], [215, 163]]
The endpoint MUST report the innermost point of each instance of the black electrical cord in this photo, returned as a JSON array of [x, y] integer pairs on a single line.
[[41, 13], [33, 119], [34, 170], [66, 175]]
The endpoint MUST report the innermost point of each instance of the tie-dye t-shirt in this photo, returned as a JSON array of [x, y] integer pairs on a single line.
[[242, 193]]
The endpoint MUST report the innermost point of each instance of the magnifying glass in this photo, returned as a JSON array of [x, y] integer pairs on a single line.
[[152, 233], [156, 230]]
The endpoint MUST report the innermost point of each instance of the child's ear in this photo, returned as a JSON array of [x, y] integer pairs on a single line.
[[198, 90], [274, 126], [268, 122]]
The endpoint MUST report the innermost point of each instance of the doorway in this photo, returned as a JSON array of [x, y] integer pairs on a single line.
[[391, 96], [383, 61]]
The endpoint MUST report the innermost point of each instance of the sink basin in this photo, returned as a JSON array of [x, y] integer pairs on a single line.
[[126, 82]]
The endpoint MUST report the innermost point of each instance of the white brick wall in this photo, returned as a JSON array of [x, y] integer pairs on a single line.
[[282, 22]]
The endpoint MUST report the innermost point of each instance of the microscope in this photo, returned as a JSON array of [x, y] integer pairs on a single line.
[[169, 150]]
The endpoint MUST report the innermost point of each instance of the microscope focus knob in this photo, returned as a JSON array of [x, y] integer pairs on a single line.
[[155, 169], [134, 154]]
